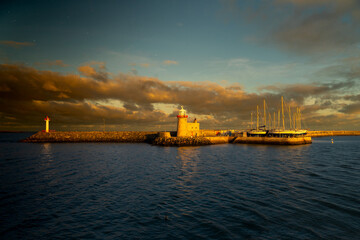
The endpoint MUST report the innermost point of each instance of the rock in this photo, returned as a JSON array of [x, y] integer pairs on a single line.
[[181, 141]]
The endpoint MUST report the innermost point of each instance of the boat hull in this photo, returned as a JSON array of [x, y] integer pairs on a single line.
[[274, 140]]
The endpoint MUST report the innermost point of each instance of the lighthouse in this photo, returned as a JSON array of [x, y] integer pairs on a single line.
[[182, 123], [47, 120]]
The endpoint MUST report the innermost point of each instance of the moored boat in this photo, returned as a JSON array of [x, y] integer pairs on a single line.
[[287, 133], [276, 135]]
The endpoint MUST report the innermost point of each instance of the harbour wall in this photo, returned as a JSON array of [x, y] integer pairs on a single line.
[[157, 138], [332, 133], [124, 136]]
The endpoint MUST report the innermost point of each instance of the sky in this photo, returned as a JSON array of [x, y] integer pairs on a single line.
[[131, 65]]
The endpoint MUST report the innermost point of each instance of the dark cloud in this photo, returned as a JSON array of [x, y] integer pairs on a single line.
[[318, 31], [302, 26], [351, 108], [346, 69], [354, 98], [299, 92], [332, 122]]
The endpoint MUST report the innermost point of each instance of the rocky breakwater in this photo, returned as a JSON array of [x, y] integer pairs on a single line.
[[190, 141], [128, 136], [181, 141]]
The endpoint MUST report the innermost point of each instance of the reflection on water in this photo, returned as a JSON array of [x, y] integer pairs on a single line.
[[189, 158], [46, 152], [46, 155], [45, 164], [188, 154]]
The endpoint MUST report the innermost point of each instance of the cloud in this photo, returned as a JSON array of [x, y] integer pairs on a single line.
[[29, 87], [84, 100], [306, 2], [95, 70], [302, 26], [58, 63], [319, 33], [300, 92], [16, 44], [337, 121], [170, 62], [80, 113], [134, 71], [145, 65], [351, 108]]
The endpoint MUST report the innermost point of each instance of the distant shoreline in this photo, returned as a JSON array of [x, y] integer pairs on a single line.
[[332, 133], [17, 131]]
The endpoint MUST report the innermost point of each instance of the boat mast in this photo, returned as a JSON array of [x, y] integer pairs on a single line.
[[251, 120], [264, 115], [282, 112], [299, 119], [274, 122], [278, 123], [269, 120], [257, 117], [290, 117]]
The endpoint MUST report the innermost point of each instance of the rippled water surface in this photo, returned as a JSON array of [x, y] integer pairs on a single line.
[[140, 191]]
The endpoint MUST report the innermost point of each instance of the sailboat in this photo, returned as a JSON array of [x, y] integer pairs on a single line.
[[289, 133], [260, 131], [280, 135]]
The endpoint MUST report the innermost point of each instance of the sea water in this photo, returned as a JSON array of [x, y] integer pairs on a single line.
[[140, 191]]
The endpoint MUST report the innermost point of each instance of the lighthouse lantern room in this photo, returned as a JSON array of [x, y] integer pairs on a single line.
[[182, 112]]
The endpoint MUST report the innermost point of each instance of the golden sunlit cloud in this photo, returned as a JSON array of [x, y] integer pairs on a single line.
[[95, 70]]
